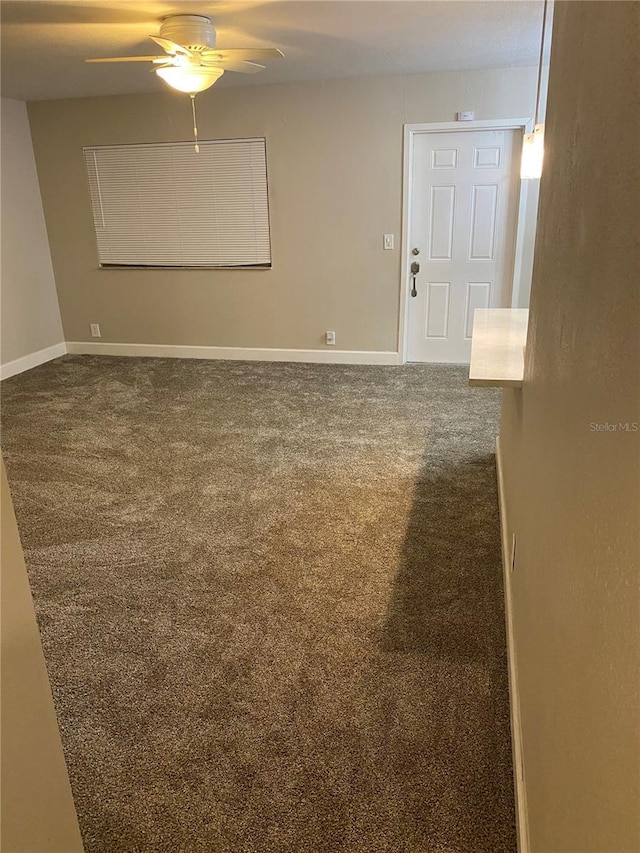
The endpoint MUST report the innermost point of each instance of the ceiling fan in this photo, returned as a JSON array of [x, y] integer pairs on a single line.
[[191, 62]]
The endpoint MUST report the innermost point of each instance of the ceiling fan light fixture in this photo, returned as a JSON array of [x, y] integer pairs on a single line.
[[190, 78]]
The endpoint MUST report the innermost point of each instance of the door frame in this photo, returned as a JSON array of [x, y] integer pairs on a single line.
[[525, 125]]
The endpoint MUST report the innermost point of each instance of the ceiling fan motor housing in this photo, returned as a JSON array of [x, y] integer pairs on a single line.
[[195, 32]]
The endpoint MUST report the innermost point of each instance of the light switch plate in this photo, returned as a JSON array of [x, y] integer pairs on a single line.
[[387, 242]]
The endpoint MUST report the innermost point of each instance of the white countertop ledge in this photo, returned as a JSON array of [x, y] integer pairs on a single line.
[[497, 347]]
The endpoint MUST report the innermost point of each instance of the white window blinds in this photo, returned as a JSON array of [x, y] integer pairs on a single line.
[[163, 205]]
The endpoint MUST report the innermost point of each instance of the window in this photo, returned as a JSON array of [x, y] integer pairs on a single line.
[[163, 205]]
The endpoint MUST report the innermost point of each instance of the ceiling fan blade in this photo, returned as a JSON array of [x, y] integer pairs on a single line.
[[171, 46], [129, 59], [240, 65], [243, 54]]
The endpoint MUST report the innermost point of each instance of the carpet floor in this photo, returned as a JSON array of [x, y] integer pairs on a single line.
[[270, 600]]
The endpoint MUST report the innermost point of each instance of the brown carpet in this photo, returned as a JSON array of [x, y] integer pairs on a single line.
[[270, 599]]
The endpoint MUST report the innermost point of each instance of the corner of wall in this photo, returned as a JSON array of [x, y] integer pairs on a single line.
[[31, 329]]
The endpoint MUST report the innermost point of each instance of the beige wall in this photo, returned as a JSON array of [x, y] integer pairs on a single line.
[[572, 493], [38, 814], [523, 294], [30, 317], [335, 175]]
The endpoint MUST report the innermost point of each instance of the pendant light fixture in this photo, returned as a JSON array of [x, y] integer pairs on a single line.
[[533, 143]]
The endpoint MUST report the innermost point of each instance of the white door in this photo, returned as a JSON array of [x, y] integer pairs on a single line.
[[463, 216]]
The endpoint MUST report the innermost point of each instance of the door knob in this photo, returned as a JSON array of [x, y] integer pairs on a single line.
[[415, 269]]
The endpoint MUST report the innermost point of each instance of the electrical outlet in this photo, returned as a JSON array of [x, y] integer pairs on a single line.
[[95, 330], [387, 242], [330, 338], [466, 115]]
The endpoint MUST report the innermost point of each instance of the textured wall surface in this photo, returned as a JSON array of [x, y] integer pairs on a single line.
[[30, 314], [335, 178], [572, 475]]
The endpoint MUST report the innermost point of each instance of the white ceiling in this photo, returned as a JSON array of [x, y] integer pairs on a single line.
[[44, 42]]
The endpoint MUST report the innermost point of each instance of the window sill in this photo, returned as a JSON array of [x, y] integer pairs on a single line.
[[182, 269]]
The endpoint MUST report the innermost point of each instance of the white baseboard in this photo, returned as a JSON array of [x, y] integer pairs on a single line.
[[26, 362], [328, 356], [522, 821]]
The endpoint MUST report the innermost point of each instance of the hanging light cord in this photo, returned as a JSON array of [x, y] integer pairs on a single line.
[[195, 124], [544, 28]]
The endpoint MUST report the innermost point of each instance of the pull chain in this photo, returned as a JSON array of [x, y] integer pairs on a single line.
[[195, 125]]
